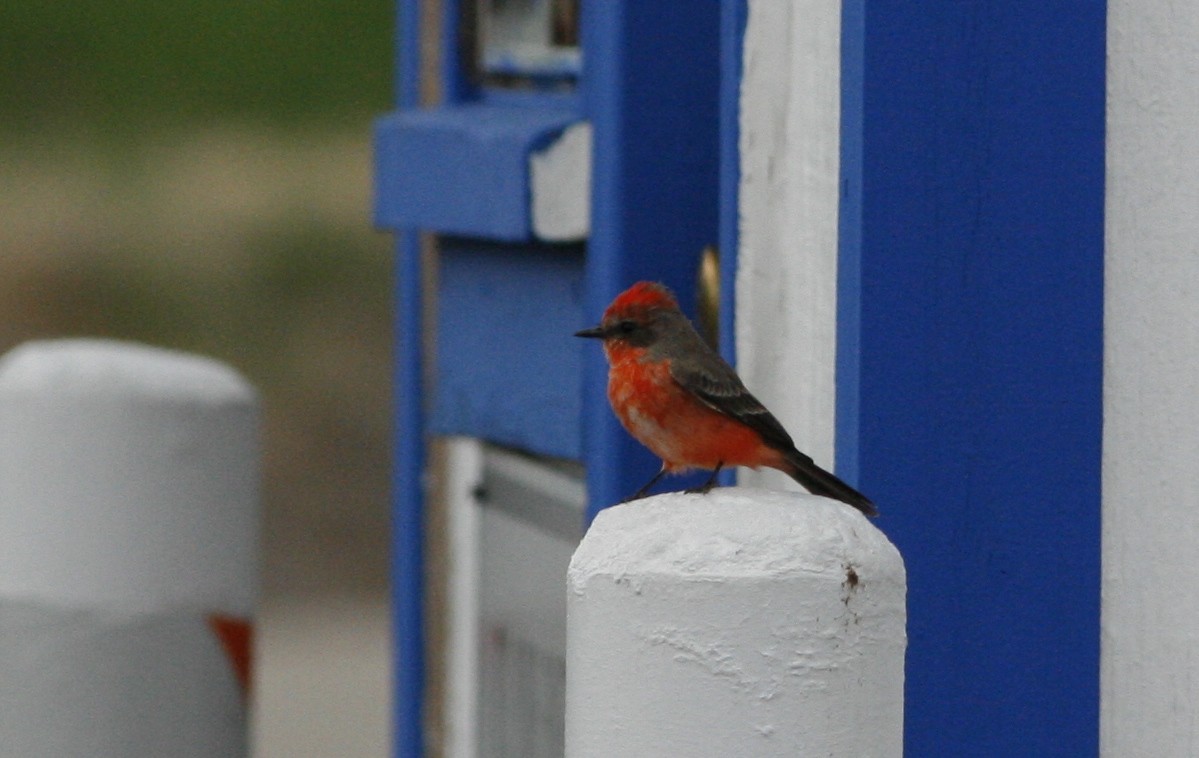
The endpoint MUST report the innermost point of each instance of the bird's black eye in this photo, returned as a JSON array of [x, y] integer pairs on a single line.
[[626, 327]]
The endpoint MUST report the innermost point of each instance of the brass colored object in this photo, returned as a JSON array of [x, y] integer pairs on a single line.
[[707, 293]]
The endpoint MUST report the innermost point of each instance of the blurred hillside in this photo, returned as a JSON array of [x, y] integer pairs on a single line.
[[196, 175], [120, 67]]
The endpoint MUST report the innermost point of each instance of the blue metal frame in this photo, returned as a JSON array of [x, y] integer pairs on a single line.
[[733, 16], [970, 354], [652, 99], [454, 168], [407, 557], [650, 86], [650, 89]]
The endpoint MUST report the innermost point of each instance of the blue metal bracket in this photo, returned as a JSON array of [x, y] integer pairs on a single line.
[[462, 169]]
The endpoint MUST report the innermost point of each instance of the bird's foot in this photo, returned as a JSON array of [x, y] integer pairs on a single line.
[[645, 489], [707, 486]]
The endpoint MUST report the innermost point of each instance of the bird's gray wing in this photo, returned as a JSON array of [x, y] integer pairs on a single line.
[[714, 383]]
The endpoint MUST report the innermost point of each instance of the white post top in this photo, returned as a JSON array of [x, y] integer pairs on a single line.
[[128, 478], [733, 531], [111, 367], [741, 622]]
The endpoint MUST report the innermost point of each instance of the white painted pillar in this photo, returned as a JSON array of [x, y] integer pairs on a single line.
[[1150, 626], [743, 622], [128, 531], [463, 474], [787, 262]]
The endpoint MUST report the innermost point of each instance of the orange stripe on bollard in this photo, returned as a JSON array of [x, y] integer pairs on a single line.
[[236, 636]]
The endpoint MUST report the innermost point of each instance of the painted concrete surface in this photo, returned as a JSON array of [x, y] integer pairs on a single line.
[[741, 622]]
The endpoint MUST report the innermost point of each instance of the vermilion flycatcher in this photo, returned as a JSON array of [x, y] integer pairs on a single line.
[[680, 399]]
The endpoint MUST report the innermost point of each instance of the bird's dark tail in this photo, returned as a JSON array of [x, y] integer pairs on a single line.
[[820, 482]]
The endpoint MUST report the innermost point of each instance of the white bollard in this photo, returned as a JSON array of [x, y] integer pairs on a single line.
[[743, 622], [128, 533]]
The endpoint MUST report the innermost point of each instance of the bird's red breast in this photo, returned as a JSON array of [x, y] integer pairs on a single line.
[[682, 431]]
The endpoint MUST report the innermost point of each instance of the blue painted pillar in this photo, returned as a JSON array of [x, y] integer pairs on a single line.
[[733, 17], [650, 86], [970, 366], [408, 454]]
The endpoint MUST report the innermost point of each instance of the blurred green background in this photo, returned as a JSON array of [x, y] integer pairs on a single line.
[[116, 66], [196, 175]]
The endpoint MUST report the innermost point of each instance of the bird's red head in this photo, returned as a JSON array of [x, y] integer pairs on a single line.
[[626, 327], [641, 297]]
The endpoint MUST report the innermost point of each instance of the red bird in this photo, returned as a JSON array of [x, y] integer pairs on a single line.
[[680, 399]]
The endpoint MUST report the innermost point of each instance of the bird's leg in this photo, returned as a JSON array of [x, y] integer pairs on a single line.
[[641, 492], [707, 486]]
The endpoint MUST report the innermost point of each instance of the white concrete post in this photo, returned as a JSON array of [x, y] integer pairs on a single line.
[[789, 196], [128, 531], [743, 622]]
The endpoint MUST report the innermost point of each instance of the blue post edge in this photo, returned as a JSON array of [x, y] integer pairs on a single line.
[[733, 17], [408, 521], [408, 511]]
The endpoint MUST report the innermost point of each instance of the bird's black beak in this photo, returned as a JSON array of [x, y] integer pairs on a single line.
[[595, 332]]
